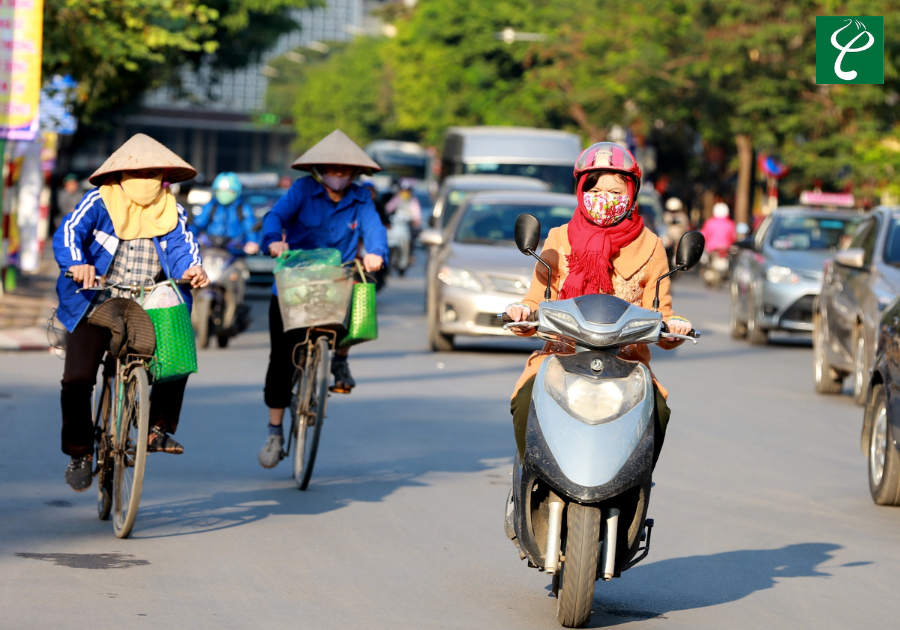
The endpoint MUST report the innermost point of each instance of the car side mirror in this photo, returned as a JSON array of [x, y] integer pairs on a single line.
[[527, 233], [431, 238], [854, 257], [690, 249], [748, 243]]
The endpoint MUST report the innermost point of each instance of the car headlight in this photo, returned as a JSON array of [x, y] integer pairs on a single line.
[[590, 400], [784, 275], [460, 278]]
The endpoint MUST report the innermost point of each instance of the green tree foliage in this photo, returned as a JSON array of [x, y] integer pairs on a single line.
[[345, 88], [724, 69], [118, 49]]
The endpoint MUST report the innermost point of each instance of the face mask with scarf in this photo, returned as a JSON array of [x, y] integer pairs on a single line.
[[596, 234], [139, 206]]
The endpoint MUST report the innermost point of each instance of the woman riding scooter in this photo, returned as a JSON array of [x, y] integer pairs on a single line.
[[605, 248]]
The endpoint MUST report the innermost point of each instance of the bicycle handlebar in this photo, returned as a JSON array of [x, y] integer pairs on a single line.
[[134, 288]]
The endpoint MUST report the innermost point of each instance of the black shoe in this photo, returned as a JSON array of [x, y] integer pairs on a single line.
[[79, 474], [161, 442], [343, 381]]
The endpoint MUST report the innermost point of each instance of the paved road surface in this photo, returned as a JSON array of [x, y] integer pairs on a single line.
[[762, 508]]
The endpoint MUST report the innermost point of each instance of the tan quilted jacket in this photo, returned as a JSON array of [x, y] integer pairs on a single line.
[[635, 270]]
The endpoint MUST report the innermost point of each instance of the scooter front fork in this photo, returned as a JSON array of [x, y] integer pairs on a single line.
[[608, 550], [554, 531]]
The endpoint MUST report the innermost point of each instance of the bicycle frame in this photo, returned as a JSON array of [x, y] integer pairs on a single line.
[[332, 343]]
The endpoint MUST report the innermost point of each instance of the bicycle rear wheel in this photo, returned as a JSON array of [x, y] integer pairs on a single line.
[[314, 395], [130, 453], [103, 448]]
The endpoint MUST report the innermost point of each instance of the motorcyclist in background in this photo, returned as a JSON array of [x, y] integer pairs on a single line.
[[227, 215], [405, 214], [719, 230], [677, 224]]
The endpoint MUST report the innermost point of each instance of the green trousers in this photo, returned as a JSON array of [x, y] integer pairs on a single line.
[[520, 404]]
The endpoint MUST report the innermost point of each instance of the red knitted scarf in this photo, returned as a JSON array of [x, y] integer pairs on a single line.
[[593, 247]]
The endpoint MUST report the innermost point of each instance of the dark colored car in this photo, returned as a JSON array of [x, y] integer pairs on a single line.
[[881, 421], [858, 284], [778, 273]]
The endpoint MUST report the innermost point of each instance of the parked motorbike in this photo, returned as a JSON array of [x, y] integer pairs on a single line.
[[219, 309], [581, 494]]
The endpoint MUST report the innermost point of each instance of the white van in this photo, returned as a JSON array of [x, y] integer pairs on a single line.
[[543, 154]]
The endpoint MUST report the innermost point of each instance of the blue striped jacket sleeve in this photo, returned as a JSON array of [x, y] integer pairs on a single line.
[[69, 240]]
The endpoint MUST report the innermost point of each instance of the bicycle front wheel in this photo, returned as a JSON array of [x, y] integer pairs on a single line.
[[103, 448], [314, 396], [130, 453]]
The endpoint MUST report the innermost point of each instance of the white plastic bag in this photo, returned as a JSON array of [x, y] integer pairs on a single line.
[[161, 297]]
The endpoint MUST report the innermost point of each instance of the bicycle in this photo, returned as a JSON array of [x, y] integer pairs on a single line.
[[121, 415], [308, 400]]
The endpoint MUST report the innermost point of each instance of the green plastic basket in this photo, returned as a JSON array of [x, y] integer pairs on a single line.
[[362, 324], [176, 350]]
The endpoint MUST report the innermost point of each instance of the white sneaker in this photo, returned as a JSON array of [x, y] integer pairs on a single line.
[[271, 453]]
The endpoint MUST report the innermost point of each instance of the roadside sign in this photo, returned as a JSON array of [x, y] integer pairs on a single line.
[[21, 33], [838, 200]]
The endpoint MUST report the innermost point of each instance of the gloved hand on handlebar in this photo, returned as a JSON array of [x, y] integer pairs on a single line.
[[678, 326], [518, 312]]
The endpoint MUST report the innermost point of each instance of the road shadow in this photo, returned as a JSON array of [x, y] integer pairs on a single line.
[[369, 450], [653, 590]]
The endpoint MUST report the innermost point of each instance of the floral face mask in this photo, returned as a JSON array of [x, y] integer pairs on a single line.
[[605, 209]]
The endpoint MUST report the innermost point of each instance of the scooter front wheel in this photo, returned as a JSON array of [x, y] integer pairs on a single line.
[[579, 570]]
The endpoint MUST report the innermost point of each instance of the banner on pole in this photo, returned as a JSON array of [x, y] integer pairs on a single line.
[[21, 34]]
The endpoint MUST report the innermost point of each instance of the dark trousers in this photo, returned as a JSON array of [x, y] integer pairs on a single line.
[[522, 401], [84, 353], [280, 375]]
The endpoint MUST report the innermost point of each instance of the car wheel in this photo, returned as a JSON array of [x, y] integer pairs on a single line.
[[827, 380], [755, 335], [884, 461], [860, 368], [439, 341], [738, 328]]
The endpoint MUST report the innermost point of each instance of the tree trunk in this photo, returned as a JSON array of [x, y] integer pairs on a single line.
[[745, 170]]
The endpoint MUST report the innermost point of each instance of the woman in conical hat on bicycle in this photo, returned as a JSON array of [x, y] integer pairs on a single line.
[[324, 210], [120, 230]]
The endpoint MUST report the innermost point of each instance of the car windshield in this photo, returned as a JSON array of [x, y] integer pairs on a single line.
[[812, 233], [494, 223], [399, 165], [892, 246], [559, 177]]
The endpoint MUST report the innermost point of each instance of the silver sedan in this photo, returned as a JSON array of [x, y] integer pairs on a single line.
[[778, 273], [475, 270]]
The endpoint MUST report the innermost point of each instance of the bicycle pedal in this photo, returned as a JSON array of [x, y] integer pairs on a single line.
[[342, 390]]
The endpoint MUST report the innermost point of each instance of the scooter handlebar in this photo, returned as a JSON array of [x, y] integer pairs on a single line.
[[506, 319]]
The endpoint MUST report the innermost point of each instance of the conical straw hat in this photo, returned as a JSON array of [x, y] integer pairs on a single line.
[[144, 152], [335, 148]]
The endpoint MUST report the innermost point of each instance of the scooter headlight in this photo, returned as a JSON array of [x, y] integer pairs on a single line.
[[214, 267], [590, 400]]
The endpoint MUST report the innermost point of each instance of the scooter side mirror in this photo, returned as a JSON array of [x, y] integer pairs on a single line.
[[690, 249], [527, 233]]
